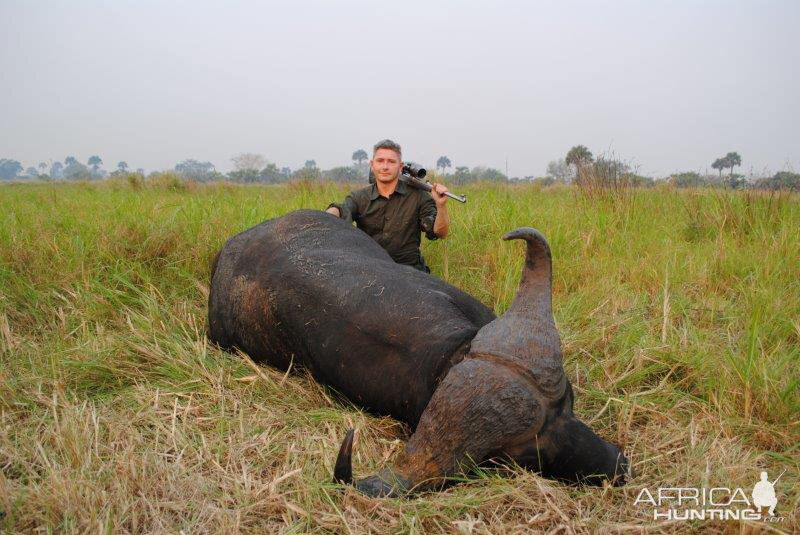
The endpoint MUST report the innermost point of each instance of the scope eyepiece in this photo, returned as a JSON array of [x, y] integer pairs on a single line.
[[415, 170]]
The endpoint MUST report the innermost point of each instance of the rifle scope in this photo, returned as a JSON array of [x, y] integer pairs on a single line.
[[411, 169], [415, 170]]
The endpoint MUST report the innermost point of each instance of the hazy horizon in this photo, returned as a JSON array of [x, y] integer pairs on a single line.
[[665, 87]]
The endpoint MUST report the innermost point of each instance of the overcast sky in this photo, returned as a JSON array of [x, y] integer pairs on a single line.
[[667, 86]]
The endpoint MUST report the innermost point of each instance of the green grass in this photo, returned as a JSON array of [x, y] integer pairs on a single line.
[[680, 321]]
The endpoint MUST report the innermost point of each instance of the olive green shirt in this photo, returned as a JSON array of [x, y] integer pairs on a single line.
[[395, 223]]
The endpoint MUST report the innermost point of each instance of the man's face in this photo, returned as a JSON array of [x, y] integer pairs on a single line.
[[386, 165]]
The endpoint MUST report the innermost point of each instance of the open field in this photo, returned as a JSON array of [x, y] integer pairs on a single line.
[[679, 314]]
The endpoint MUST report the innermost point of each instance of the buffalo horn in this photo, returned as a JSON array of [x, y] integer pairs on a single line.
[[535, 291], [343, 472]]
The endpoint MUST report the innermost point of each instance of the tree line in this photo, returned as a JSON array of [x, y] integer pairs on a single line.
[[247, 168], [69, 169], [579, 167]]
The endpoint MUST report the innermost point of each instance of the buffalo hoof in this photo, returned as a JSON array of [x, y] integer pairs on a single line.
[[385, 484]]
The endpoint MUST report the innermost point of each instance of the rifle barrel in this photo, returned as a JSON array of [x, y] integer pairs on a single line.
[[777, 478], [417, 183], [459, 198]]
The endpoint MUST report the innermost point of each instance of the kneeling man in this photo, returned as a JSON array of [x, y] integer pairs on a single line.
[[393, 213]]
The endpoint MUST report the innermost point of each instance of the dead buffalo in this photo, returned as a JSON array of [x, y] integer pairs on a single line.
[[311, 289]]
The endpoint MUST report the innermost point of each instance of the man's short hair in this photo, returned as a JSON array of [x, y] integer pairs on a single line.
[[387, 144]]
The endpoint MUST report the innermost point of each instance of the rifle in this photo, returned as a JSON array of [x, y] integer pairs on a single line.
[[777, 478], [413, 175]]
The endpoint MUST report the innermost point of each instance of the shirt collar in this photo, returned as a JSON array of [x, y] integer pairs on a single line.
[[401, 188]]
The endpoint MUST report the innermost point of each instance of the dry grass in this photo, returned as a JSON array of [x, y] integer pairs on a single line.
[[679, 313]]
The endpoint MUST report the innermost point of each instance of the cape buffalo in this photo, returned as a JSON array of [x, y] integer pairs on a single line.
[[308, 288]]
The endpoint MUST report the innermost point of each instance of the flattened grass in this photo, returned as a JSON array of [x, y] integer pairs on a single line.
[[679, 314]]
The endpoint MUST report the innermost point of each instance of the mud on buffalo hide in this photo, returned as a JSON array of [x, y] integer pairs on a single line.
[[310, 289]]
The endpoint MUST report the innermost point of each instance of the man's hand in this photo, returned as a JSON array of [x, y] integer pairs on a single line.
[[441, 225], [437, 192], [334, 211]]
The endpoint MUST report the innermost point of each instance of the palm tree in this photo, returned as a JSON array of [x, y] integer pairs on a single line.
[[443, 163], [732, 159], [719, 164], [579, 156], [359, 156], [95, 162]]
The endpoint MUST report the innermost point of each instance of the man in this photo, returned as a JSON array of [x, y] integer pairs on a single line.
[[393, 213], [764, 494]]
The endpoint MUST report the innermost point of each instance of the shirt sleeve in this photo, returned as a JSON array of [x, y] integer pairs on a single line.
[[427, 216], [348, 210]]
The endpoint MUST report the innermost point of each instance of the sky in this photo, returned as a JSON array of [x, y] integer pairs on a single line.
[[664, 86]]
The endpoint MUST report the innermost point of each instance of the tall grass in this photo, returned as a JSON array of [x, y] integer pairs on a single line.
[[679, 314]]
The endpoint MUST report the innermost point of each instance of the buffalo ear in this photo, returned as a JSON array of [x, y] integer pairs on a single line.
[[343, 472]]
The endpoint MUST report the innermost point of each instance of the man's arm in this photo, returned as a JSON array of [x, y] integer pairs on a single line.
[[348, 210], [441, 226], [433, 216]]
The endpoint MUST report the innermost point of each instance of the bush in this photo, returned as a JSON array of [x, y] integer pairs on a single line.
[[344, 174], [783, 180], [687, 180], [135, 181], [170, 181]]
